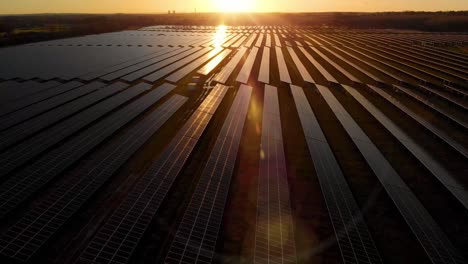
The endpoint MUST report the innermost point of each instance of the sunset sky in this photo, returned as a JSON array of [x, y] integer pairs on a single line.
[[157, 6]]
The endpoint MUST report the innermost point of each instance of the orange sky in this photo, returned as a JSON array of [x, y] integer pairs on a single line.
[[156, 6]]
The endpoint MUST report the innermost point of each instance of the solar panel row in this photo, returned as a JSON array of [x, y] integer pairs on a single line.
[[34, 125], [185, 55], [196, 236], [32, 231], [354, 240], [328, 77], [36, 98], [17, 117], [38, 173], [180, 74], [117, 238], [274, 233], [226, 72], [302, 69], [283, 69], [264, 74], [445, 177], [244, 74], [210, 66], [436, 244], [169, 66], [170, 55]]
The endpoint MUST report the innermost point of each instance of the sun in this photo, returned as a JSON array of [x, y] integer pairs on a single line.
[[234, 6]]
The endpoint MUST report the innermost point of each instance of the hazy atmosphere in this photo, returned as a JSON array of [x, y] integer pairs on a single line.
[[158, 6]]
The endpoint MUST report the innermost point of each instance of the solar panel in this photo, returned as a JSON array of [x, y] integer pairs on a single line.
[[25, 89], [195, 239], [259, 42], [342, 70], [268, 40], [244, 74], [283, 69], [446, 114], [118, 237], [166, 58], [32, 99], [40, 223], [239, 42], [19, 116], [213, 63], [250, 41], [264, 74], [178, 75], [37, 174], [167, 63], [440, 134], [354, 240], [277, 41], [445, 177], [224, 74], [437, 246], [362, 70], [107, 70], [453, 101], [319, 67], [274, 232], [34, 125], [302, 69]]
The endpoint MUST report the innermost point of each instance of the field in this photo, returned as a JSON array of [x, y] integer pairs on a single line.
[[235, 144]]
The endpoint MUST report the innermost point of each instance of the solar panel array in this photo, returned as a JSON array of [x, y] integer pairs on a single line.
[[88, 106], [355, 242], [274, 234], [195, 239], [23, 239], [117, 238], [436, 244]]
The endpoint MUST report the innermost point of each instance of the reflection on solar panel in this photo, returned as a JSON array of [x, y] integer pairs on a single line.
[[210, 66], [448, 180], [302, 69], [228, 43], [274, 233], [244, 74], [196, 236], [354, 239], [283, 69], [250, 41], [35, 175], [437, 246], [268, 40], [32, 126], [118, 237], [319, 67], [107, 70], [41, 222], [264, 75], [17, 117], [178, 75], [277, 41], [171, 67], [345, 72], [32, 99], [224, 74], [165, 59], [259, 42], [442, 135], [238, 42]]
